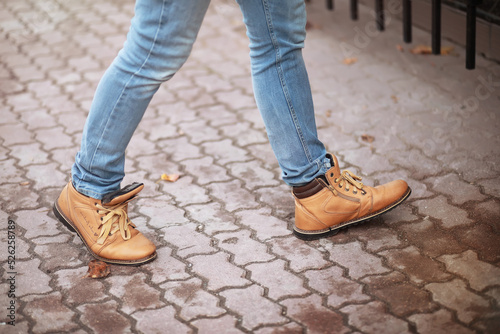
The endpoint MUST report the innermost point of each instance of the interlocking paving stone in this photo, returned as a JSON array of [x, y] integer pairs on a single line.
[[439, 322], [233, 195], [134, 293], [155, 321], [300, 255], [331, 282], [281, 283], [50, 307], [195, 244], [223, 324], [192, 300], [78, 290], [467, 265], [243, 247], [213, 218], [166, 267], [362, 317], [359, 262], [54, 256], [456, 296], [104, 318], [264, 225], [318, 319], [459, 191], [254, 309], [438, 208], [31, 280], [252, 174], [419, 268], [219, 272]]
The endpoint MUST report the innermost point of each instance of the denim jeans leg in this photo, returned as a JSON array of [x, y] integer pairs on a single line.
[[160, 39], [276, 29]]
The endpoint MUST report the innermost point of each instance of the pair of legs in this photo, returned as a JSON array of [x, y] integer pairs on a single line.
[[158, 43]]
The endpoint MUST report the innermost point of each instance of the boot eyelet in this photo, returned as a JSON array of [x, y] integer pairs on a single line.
[[340, 186], [331, 174]]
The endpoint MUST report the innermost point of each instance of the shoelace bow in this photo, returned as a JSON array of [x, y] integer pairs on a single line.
[[348, 178], [116, 218]]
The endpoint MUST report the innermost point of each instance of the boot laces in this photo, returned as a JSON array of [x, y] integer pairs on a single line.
[[348, 178], [115, 218]]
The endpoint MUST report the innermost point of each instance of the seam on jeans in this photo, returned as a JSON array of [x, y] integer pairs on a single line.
[[160, 22], [281, 76]]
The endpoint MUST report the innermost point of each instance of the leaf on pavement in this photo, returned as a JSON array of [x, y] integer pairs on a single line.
[[98, 269], [350, 61], [170, 177], [427, 50], [367, 138]]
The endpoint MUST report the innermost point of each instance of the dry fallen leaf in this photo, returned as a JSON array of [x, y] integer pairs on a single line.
[[24, 183], [98, 269], [170, 177], [349, 61], [394, 98], [328, 113], [446, 50], [427, 50], [367, 138], [400, 48], [421, 50]]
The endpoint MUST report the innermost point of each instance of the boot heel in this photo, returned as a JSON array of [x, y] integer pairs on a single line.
[[62, 219]]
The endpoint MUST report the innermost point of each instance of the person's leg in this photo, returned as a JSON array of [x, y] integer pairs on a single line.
[[276, 29], [325, 199], [93, 205], [158, 43]]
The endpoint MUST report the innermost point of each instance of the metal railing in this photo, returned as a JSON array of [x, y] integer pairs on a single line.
[[470, 40]]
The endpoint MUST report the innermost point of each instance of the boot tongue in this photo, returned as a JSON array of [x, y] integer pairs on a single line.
[[334, 171], [122, 195]]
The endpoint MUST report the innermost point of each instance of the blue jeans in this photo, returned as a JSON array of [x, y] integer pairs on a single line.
[[159, 42]]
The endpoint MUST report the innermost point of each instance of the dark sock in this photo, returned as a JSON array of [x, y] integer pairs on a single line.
[[309, 189]]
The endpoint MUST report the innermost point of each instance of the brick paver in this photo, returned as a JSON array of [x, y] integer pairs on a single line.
[[227, 261]]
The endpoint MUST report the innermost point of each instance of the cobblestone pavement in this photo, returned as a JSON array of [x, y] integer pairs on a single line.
[[228, 262]]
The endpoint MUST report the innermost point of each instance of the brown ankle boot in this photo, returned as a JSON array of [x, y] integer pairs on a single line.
[[327, 204], [104, 226]]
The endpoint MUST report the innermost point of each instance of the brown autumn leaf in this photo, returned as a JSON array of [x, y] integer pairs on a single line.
[[350, 61], [446, 50], [170, 177], [367, 138], [421, 50], [26, 183], [98, 269], [400, 48], [394, 98], [427, 50]]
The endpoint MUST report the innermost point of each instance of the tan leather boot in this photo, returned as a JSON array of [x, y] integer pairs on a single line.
[[104, 226], [327, 204]]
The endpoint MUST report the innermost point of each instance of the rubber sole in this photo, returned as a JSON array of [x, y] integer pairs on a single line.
[[314, 235], [66, 222]]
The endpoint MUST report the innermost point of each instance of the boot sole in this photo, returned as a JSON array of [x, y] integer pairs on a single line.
[[314, 235], [66, 222]]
